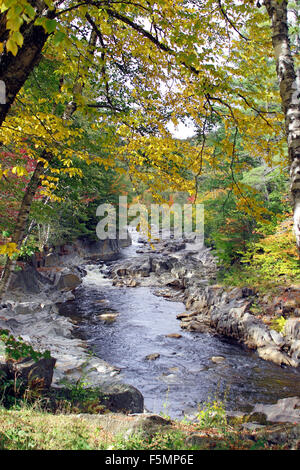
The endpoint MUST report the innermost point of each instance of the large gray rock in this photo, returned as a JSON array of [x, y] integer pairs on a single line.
[[67, 281], [29, 281], [117, 396], [105, 250], [286, 410], [273, 353], [52, 259]]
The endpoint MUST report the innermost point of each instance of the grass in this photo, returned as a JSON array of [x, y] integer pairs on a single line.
[[30, 422], [29, 428]]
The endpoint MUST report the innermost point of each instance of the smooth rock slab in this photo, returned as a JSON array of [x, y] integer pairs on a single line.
[[286, 410]]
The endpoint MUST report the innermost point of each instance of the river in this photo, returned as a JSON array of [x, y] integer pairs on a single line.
[[183, 376]]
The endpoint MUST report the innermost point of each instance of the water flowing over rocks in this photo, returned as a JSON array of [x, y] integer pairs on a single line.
[[184, 271], [179, 270], [30, 310]]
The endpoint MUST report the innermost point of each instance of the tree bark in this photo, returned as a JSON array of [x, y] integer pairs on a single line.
[[289, 82], [14, 70]]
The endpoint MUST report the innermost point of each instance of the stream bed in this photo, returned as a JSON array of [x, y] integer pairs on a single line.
[[184, 375]]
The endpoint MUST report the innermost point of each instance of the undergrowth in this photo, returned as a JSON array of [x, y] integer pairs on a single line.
[[267, 264]]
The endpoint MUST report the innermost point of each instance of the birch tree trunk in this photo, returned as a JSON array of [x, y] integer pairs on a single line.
[[21, 223], [289, 82]]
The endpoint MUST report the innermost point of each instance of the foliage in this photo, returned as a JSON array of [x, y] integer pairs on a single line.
[[269, 262], [12, 390], [121, 88], [16, 349], [212, 414], [79, 397], [228, 229], [29, 429], [278, 324], [168, 440]]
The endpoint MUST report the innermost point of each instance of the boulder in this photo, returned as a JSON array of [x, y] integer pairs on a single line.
[[152, 357], [274, 354], [108, 317], [117, 396], [28, 370], [218, 359], [52, 259], [67, 281], [277, 338], [104, 250], [29, 281], [144, 269], [286, 410]]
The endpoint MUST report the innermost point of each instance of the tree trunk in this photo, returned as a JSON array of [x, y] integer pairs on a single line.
[[21, 223], [14, 70], [289, 82], [33, 185]]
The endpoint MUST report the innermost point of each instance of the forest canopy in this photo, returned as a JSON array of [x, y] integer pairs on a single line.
[[99, 82]]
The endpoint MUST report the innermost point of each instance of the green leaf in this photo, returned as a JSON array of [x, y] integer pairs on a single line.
[[58, 38], [49, 25], [30, 11]]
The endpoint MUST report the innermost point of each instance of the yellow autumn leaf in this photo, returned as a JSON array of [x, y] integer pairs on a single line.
[[20, 171], [12, 47], [8, 249], [17, 38]]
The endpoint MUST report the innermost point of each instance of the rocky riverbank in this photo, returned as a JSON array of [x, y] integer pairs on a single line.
[[30, 311], [181, 270]]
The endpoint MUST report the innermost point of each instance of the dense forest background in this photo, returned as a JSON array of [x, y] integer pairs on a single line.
[[91, 122]]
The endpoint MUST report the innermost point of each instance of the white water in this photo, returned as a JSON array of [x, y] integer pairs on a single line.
[[184, 375]]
